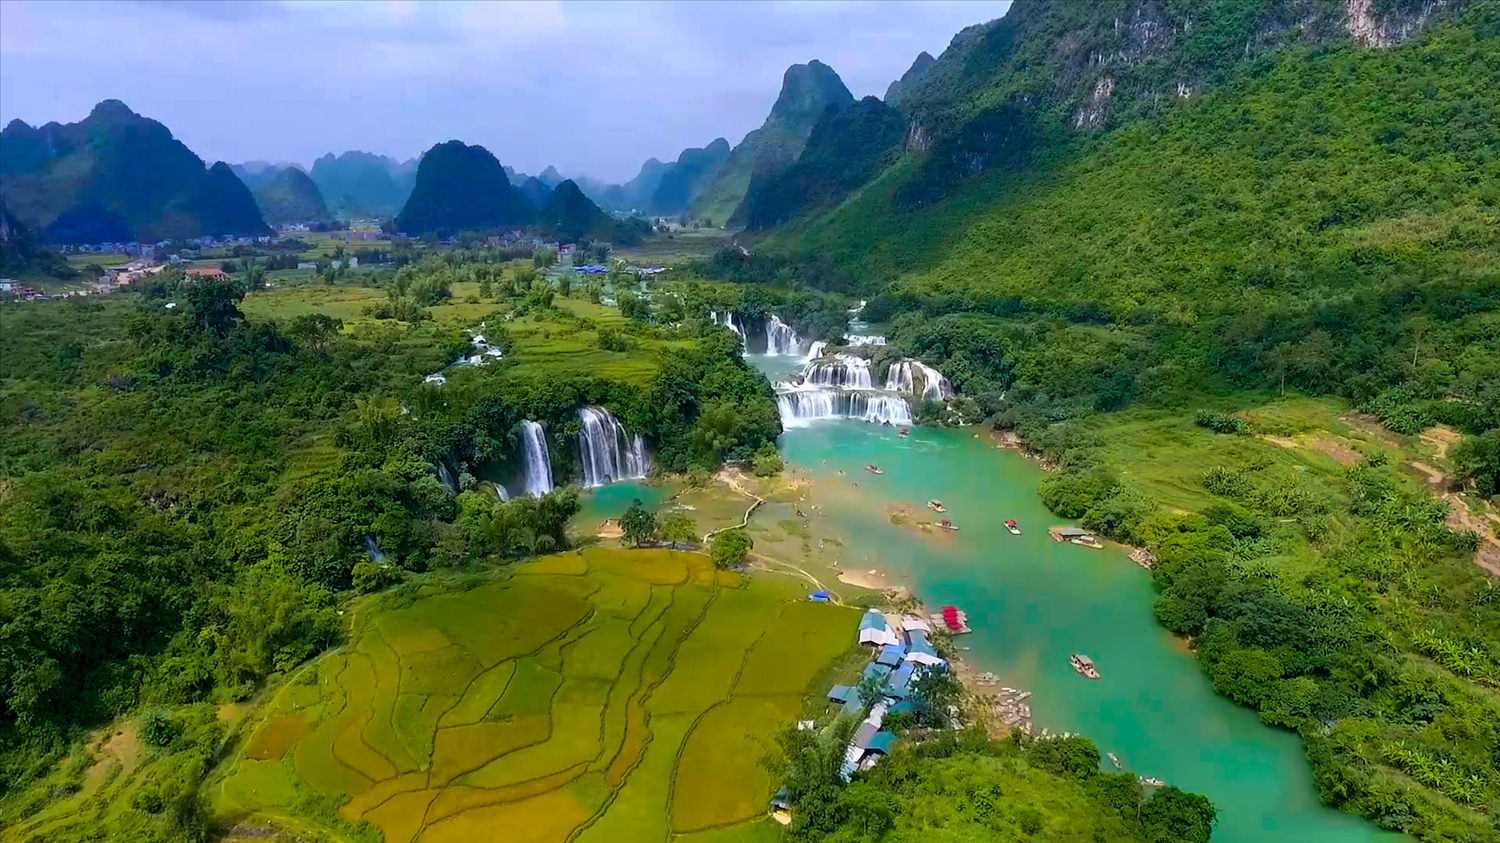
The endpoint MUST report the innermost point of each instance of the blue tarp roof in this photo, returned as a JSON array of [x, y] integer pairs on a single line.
[[899, 684], [873, 620], [890, 656], [854, 706], [882, 742], [878, 670], [840, 693], [903, 707], [919, 643], [820, 596]]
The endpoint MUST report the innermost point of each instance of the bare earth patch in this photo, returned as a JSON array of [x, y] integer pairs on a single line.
[[1461, 518], [1440, 439]]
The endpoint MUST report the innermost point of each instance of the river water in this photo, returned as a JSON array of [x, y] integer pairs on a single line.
[[1032, 602]]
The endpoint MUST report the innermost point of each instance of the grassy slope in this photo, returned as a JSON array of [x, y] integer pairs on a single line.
[[1319, 166]]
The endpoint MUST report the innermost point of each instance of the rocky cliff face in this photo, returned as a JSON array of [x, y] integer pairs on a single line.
[[1089, 67]]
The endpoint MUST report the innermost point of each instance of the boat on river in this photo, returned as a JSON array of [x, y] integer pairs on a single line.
[[1113, 759], [1148, 781], [873, 469], [905, 431], [948, 525], [1084, 665], [936, 506], [1012, 526]]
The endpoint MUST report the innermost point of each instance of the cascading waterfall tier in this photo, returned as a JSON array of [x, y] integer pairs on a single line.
[[781, 340], [815, 351], [802, 405], [536, 460], [842, 371], [606, 451], [856, 340], [449, 481], [916, 378], [726, 319]]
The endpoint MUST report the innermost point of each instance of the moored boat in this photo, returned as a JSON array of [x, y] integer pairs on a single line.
[[1113, 759], [873, 469], [948, 525], [1149, 781], [936, 506], [1084, 665], [1012, 526], [1087, 541]]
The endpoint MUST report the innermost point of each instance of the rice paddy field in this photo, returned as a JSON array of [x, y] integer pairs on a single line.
[[599, 696]]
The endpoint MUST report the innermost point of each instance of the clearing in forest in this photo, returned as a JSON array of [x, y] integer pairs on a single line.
[[602, 695]]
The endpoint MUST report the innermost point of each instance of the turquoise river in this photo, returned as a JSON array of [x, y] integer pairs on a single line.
[[1032, 602]]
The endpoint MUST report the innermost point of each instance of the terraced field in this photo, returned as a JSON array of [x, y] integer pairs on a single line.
[[603, 696]]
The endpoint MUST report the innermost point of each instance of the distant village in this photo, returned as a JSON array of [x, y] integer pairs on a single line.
[[148, 259]]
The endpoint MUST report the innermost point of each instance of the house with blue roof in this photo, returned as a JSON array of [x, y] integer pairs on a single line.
[[875, 631]]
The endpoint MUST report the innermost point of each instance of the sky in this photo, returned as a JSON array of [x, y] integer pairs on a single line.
[[593, 88]]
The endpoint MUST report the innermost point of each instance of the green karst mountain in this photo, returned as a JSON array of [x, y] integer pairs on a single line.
[[683, 180], [290, 196], [363, 184], [806, 91], [570, 216], [909, 79], [848, 147], [462, 187], [116, 175]]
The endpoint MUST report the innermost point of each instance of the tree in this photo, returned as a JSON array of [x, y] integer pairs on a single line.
[[870, 689], [1178, 816], [315, 330], [1477, 458], [638, 523], [678, 529], [565, 284], [768, 462], [486, 287], [544, 258], [730, 548]]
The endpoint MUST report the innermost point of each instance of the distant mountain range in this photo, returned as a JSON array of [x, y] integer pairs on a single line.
[[461, 187], [363, 184], [683, 180], [289, 196], [116, 175]]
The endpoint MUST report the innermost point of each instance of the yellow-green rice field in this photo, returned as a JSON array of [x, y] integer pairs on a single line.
[[602, 696]]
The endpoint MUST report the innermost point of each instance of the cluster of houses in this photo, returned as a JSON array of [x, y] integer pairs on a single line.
[[902, 653], [148, 249]]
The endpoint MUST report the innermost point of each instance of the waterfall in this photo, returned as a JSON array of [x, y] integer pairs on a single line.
[[843, 371], [781, 340], [911, 376], [536, 460], [449, 481], [607, 452], [815, 350], [372, 549], [500, 492], [727, 320], [866, 339], [800, 406]]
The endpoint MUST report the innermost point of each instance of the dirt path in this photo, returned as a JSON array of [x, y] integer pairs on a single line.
[[1461, 518]]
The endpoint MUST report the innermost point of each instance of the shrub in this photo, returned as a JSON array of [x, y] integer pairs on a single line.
[[1219, 422], [768, 462]]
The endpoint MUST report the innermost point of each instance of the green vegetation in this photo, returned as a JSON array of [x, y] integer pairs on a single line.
[[605, 693], [730, 548], [21, 256], [967, 787], [848, 147], [118, 176], [461, 187], [290, 196], [190, 492], [1320, 585]]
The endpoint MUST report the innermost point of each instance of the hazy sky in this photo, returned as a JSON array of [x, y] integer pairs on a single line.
[[594, 88]]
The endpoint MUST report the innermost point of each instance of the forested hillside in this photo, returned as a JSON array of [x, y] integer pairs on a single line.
[[364, 184], [289, 196]]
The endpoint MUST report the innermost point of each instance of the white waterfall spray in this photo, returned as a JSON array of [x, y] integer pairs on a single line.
[[856, 340], [727, 320], [449, 481], [917, 378], [800, 406], [781, 340], [815, 351], [843, 371], [536, 460], [607, 452], [500, 492]]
